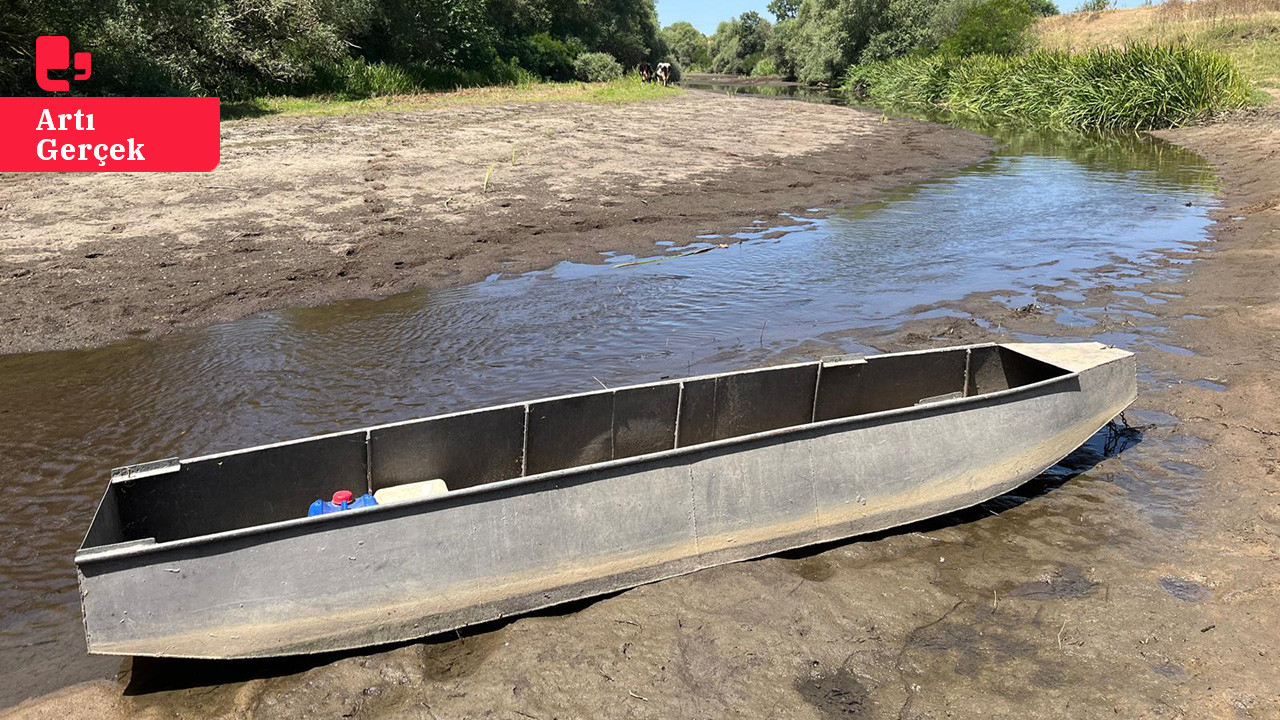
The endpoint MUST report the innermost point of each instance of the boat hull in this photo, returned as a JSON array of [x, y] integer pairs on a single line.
[[413, 571]]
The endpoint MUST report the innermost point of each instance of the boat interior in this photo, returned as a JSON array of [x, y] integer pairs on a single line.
[[171, 500]]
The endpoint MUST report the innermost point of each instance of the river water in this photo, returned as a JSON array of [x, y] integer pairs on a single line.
[[1045, 219]]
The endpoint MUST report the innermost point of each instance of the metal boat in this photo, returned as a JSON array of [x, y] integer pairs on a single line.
[[570, 497]]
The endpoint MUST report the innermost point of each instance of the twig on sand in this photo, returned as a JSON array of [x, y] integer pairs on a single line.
[[1268, 433], [1060, 631], [630, 622], [638, 697]]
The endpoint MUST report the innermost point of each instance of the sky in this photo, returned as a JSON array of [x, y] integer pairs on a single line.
[[707, 14]]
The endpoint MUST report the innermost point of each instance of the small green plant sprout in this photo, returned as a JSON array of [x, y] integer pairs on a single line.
[[489, 176], [514, 146]]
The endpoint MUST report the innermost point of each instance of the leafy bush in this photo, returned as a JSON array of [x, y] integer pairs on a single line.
[[1043, 8], [1096, 5], [1137, 87], [164, 47], [596, 67], [993, 27], [549, 57], [765, 67]]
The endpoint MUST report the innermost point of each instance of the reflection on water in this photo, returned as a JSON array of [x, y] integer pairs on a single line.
[[1040, 217]]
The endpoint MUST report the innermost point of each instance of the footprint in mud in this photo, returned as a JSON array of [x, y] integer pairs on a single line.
[[1069, 582], [839, 695], [817, 569], [1171, 671], [1186, 590]]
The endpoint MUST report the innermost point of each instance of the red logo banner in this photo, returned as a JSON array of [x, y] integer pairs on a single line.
[[117, 134]]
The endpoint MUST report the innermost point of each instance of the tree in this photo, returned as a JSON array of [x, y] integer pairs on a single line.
[[754, 33], [900, 26], [784, 9], [997, 27], [450, 33], [779, 50], [686, 45], [739, 44], [239, 48], [829, 36]]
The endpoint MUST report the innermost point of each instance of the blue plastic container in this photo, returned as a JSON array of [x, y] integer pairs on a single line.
[[342, 500]]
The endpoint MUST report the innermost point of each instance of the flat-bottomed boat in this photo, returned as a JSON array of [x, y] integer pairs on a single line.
[[570, 497]]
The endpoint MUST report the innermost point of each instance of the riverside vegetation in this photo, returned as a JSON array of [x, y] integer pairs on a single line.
[[1134, 87], [1013, 60], [344, 49]]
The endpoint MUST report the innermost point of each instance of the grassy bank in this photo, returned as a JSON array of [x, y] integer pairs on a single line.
[[1247, 31], [1107, 88], [618, 92]]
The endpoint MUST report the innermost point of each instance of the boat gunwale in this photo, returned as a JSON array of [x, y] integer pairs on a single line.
[[140, 546]]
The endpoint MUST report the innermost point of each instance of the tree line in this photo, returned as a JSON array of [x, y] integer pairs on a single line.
[[816, 41], [244, 48]]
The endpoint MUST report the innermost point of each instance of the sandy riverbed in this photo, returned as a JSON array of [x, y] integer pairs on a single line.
[[305, 211], [1085, 599]]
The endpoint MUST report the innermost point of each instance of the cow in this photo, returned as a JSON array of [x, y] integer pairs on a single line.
[[644, 71], [664, 73]]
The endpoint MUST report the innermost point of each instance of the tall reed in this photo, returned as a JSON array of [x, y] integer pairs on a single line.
[[1135, 87]]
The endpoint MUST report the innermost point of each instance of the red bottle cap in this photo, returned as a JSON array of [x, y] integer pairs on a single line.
[[342, 496]]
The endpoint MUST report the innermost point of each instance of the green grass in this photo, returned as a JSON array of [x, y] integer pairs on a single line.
[[1132, 88], [1247, 31], [618, 92], [356, 78], [1255, 48]]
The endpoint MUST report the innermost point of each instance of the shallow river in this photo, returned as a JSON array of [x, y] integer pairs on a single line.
[[1045, 219]]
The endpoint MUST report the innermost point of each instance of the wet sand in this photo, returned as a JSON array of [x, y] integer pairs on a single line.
[[308, 211], [1144, 587]]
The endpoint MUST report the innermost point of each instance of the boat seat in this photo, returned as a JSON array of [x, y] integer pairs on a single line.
[[410, 491]]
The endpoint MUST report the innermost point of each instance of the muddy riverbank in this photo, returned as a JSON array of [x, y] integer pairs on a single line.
[[306, 211], [1137, 579]]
